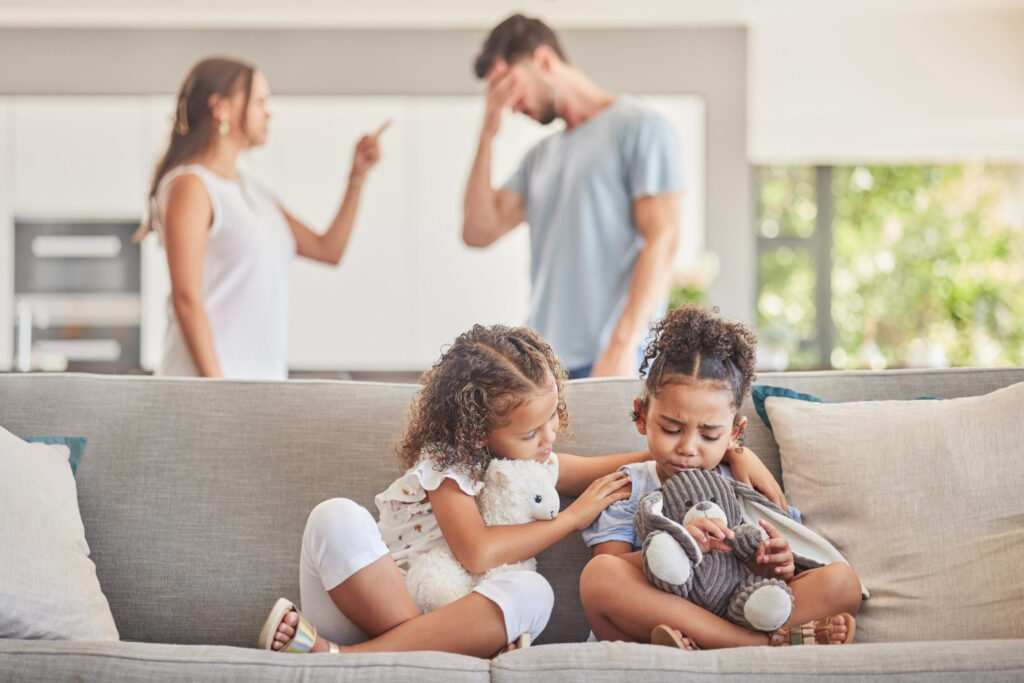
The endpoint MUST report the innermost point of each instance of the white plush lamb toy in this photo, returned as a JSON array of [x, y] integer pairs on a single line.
[[514, 492]]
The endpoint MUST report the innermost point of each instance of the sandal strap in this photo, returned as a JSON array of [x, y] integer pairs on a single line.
[[812, 632], [304, 638]]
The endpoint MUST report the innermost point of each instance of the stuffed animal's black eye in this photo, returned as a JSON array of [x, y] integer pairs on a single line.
[[538, 498], [713, 499], [689, 503]]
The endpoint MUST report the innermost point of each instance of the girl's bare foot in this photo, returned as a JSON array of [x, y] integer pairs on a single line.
[[280, 629], [286, 631]]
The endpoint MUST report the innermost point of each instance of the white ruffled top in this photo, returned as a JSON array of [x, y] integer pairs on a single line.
[[407, 522]]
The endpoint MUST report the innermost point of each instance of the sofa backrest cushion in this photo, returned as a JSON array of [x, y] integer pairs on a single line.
[[194, 493], [924, 499]]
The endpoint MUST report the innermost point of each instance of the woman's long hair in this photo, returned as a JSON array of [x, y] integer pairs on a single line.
[[194, 125]]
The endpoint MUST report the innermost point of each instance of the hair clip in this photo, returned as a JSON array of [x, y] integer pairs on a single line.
[[181, 121]]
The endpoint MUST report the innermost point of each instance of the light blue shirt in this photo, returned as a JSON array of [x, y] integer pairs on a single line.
[[578, 188], [616, 522]]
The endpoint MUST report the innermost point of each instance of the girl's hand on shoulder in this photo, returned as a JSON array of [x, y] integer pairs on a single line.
[[774, 556], [710, 534], [601, 493], [748, 469]]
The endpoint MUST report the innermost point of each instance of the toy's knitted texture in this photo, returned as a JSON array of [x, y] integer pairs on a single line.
[[720, 582]]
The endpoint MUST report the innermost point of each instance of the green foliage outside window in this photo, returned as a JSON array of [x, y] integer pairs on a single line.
[[786, 310], [927, 266], [788, 203]]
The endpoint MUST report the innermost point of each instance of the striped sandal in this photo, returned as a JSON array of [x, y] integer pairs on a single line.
[[663, 634], [818, 632], [305, 632]]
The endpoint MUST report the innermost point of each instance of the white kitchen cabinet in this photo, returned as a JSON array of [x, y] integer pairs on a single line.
[[407, 284], [157, 118], [77, 157], [686, 112], [459, 285], [359, 315]]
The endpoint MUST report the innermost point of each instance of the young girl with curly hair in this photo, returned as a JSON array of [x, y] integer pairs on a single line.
[[495, 393], [698, 370]]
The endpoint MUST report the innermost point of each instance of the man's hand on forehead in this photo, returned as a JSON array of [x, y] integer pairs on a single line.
[[498, 69], [504, 76]]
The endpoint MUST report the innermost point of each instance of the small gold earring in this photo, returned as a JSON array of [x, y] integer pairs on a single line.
[[224, 128]]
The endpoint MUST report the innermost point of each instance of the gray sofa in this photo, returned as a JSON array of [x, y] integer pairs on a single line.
[[194, 494]]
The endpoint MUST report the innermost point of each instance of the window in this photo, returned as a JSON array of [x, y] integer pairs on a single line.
[[890, 266]]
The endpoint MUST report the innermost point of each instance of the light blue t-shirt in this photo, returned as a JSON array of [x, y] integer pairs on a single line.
[[578, 188], [616, 522]]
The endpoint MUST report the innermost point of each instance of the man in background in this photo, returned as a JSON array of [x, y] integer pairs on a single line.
[[602, 199]]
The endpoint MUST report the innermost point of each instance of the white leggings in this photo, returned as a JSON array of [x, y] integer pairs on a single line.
[[341, 538]]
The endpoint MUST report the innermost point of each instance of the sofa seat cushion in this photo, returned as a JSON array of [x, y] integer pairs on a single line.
[[24, 660], [924, 499], [980, 660]]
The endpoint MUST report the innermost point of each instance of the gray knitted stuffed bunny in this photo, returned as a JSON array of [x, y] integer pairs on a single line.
[[719, 582]]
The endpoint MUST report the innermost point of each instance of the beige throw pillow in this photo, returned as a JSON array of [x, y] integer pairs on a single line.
[[926, 501], [48, 584]]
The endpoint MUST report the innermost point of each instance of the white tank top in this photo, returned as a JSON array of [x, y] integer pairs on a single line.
[[245, 292]]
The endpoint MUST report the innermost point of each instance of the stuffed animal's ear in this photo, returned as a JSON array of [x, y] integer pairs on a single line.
[[531, 470], [551, 471], [747, 493], [500, 470], [650, 518]]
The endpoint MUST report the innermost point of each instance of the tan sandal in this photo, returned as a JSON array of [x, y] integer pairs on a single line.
[[817, 632], [305, 632], [663, 634], [523, 641]]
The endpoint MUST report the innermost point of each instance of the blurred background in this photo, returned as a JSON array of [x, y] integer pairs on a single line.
[[855, 170]]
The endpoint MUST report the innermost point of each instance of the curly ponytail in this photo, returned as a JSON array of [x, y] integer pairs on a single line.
[[482, 377], [695, 343]]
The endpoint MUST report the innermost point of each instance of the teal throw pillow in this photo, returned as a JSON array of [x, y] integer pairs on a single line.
[[75, 444], [762, 392]]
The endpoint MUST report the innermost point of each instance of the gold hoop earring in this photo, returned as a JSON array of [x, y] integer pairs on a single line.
[[738, 444], [224, 128]]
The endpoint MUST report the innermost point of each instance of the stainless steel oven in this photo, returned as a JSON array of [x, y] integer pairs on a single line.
[[76, 295]]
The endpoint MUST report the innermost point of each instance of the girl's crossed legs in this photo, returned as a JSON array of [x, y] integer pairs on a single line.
[[368, 607], [621, 604]]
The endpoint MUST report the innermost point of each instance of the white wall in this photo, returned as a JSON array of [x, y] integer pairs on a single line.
[[884, 85]]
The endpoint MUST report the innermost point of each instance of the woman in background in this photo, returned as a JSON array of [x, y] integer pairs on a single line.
[[229, 243]]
